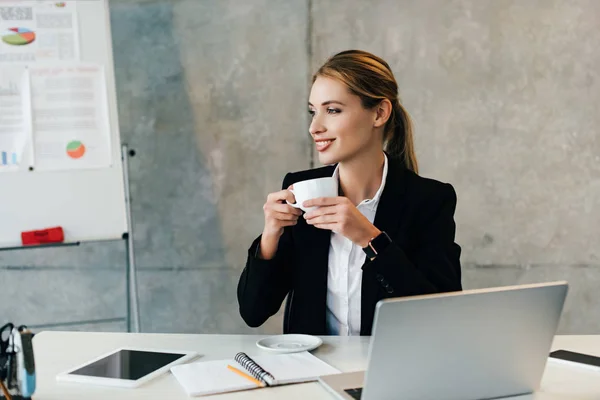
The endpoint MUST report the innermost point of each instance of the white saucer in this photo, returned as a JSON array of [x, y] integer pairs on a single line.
[[290, 343]]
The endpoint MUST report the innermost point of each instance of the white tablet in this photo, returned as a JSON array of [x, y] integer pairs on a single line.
[[126, 367]]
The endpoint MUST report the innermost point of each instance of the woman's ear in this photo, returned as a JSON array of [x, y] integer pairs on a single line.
[[384, 110]]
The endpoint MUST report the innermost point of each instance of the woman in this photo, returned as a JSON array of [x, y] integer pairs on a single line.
[[390, 233]]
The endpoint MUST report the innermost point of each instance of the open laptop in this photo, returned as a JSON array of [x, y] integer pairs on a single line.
[[475, 344]]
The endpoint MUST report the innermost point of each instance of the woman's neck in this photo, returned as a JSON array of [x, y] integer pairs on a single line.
[[361, 176]]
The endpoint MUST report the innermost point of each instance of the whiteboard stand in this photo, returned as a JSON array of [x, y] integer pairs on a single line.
[[131, 290], [133, 308]]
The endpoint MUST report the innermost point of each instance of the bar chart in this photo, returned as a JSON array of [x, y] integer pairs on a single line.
[[7, 158]]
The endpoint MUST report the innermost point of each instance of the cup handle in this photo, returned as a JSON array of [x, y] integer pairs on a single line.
[[295, 205]]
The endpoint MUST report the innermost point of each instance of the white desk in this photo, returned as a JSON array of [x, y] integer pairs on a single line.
[[58, 351]]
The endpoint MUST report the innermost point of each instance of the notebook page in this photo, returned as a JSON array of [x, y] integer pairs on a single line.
[[295, 367], [209, 377]]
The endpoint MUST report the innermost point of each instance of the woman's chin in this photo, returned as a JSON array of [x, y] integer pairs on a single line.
[[327, 159]]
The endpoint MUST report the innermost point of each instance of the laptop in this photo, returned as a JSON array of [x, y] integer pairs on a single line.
[[475, 344]]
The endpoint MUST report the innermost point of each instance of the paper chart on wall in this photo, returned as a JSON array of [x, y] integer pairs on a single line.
[[15, 117], [38, 31], [70, 126]]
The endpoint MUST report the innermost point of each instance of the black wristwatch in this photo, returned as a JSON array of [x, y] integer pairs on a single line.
[[377, 245]]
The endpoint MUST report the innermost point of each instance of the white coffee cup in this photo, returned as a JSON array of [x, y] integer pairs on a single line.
[[312, 189]]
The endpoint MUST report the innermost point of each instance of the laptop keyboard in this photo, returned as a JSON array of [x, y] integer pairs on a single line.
[[354, 393]]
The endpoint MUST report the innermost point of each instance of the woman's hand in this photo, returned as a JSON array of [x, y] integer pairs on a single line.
[[278, 215], [341, 216]]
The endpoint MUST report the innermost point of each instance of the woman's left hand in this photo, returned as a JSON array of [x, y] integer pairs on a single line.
[[341, 216]]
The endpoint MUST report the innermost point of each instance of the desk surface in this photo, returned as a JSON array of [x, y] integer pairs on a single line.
[[58, 351]]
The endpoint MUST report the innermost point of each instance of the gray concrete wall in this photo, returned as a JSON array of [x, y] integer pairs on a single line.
[[505, 99], [214, 104], [503, 94]]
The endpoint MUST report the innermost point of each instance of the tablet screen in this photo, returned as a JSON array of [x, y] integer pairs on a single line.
[[127, 364]]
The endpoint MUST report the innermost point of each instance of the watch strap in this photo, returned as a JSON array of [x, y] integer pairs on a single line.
[[377, 245]]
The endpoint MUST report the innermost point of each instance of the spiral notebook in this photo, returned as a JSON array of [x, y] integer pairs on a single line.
[[210, 377]]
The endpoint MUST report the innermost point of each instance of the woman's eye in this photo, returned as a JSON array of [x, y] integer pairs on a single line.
[[311, 112], [333, 111]]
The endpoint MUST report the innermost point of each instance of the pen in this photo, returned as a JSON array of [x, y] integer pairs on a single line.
[[240, 373], [25, 361], [5, 391]]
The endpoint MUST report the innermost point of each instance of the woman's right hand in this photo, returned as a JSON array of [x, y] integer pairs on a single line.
[[278, 215]]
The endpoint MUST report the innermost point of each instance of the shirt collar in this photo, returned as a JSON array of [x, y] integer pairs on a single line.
[[370, 203]]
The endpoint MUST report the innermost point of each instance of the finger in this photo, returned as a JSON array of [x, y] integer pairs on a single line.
[[284, 208], [323, 201], [284, 216], [322, 219], [289, 223], [281, 196], [289, 196], [330, 227], [324, 210]]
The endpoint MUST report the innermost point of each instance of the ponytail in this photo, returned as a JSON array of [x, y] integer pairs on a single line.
[[400, 142]]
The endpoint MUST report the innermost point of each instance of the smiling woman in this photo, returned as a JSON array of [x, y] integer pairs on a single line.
[[389, 232], [337, 91]]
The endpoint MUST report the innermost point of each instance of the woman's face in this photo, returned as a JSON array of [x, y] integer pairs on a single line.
[[341, 127]]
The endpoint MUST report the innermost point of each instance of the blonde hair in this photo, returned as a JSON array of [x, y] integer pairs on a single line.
[[370, 78]]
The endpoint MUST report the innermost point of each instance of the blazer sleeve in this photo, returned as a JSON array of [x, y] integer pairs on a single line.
[[434, 265], [264, 284]]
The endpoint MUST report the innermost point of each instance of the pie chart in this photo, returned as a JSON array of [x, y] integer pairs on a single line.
[[75, 149], [18, 36]]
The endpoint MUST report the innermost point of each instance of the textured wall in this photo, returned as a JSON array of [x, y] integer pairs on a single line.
[[213, 94], [505, 97]]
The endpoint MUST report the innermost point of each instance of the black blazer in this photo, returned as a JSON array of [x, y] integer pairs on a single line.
[[417, 213]]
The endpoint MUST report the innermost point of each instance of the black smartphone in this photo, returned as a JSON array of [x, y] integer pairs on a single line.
[[580, 358]]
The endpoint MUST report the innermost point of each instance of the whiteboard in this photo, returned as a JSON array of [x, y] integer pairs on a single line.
[[89, 204]]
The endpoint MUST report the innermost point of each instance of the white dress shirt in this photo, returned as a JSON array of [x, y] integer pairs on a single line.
[[344, 276]]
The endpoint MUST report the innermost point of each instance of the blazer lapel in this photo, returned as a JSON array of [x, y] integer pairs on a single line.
[[388, 213]]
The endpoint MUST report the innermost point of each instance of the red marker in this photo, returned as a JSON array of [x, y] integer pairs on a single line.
[[43, 236]]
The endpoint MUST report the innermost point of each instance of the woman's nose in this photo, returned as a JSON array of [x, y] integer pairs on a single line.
[[316, 126]]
